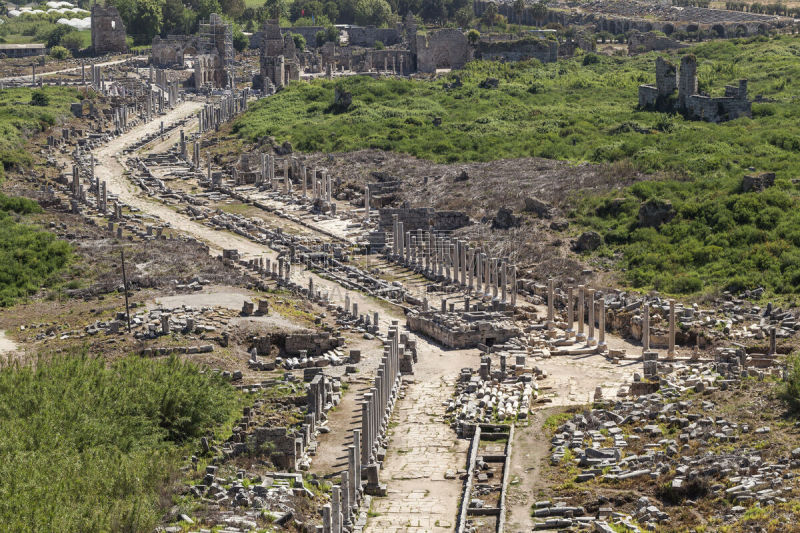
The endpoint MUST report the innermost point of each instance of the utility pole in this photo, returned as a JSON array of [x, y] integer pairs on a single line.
[[125, 284]]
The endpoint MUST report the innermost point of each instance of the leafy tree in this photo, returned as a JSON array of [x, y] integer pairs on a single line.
[[59, 52], [519, 9], [240, 40], [454, 5], [332, 11], [433, 11], [372, 12], [539, 12], [276, 9], [320, 37], [464, 16], [304, 9], [332, 34], [404, 7], [379, 45], [204, 8], [72, 41], [177, 19], [57, 33], [233, 8], [473, 36], [146, 21], [299, 41], [489, 15]]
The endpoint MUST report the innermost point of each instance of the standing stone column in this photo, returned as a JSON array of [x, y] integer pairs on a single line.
[[602, 340], [645, 327], [495, 277], [346, 500], [336, 509], [463, 263], [395, 237], [570, 314], [772, 341], [401, 241], [365, 429], [358, 455], [513, 286], [504, 282], [550, 304], [671, 349], [580, 336], [591, 340], [487, 276], [326, 518], [305, 181], [366, 203]]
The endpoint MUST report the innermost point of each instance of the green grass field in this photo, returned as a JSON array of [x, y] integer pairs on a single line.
[[565, 110]]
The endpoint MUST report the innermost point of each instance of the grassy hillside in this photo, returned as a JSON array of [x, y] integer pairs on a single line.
[[28, 255], [87, 447], [19, 119], [571, 111]]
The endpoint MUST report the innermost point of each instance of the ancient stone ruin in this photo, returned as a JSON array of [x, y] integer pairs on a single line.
[[108, 31], [693, 105]]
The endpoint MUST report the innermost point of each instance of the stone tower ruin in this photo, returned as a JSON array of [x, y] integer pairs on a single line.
[[108, 31]]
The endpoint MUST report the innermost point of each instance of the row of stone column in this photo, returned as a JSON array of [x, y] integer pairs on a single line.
[[121, 118], [455, 261], [376, 409], [280, 270], [593, 310], [212, 116]]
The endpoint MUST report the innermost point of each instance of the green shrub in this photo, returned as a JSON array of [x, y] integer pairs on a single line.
[[59, 52], [89, 446], [39, 98], [590, 59], [789, 389]]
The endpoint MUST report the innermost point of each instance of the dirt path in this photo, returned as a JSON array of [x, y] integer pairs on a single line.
[[27, 77], [7, 346]]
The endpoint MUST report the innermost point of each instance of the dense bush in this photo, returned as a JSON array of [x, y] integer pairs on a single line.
[[719, 238], [87, 447], [789, 390], [28, 255]]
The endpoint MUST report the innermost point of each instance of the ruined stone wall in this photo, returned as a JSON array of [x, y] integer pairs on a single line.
[[108, 31], [716, 109], [666, 77], [687, 79], [313, 343], [442, 49], [544, 50], [395, 60], [486, 333], [648, 96], [282, 444], [366, 36], [169, 52], [422, 218], [639, 43]]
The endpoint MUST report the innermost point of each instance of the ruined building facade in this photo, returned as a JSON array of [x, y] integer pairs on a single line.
[[108, 31], [214, 60], [278, 61], [693, 105]]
